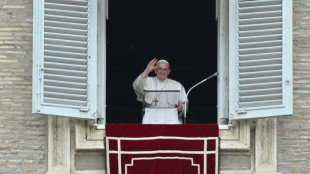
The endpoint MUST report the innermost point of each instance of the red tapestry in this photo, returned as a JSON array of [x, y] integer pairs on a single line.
[[162, 149]]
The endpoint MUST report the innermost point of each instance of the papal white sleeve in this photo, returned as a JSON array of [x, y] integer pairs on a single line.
[[139, 85]]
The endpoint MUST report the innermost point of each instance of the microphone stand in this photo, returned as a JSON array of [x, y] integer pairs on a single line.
[[213, 75]]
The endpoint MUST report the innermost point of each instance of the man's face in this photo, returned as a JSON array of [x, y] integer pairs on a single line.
[[162, 71]]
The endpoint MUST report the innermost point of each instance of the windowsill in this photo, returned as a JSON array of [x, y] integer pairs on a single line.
[[100, 126], [224, 127], [221, 127]]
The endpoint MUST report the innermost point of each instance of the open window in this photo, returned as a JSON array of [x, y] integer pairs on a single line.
[[140, 30], [254, 59]]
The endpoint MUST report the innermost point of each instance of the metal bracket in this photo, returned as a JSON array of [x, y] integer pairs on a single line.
[[84, 109], [41, 70], [241, 111]]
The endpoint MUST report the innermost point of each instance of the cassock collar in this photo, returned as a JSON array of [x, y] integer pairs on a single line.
[[156, 78]]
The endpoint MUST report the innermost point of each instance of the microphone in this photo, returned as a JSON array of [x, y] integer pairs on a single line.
[[204, 80]]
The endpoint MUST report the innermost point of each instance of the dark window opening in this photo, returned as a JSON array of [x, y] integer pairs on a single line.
[[182, 32]]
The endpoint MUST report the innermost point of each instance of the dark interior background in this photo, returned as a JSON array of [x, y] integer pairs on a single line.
[[184, 32]]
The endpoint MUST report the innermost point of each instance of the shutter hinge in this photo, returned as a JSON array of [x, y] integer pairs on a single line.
[[84, 109], [40, 73], [241, 111]]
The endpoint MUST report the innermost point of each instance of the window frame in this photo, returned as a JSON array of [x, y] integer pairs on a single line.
[[99, 104]]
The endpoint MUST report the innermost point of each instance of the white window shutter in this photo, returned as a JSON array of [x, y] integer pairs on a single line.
[[260, 58], [64, 58]]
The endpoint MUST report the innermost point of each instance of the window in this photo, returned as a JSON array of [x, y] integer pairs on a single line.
[[137, 30], [255, 54], [65, 59]]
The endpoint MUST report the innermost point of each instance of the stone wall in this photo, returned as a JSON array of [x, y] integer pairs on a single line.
[[294, 131], [23, 135]]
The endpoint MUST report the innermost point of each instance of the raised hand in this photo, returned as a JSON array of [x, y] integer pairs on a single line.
[[149, 68], [151, 65]]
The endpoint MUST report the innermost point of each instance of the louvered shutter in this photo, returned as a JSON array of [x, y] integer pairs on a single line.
[[260, 58], [65, 56]]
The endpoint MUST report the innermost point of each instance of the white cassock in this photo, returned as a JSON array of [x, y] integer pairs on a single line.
[[160, 106]]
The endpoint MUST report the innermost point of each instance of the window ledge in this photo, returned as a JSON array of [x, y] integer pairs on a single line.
[[224, 127], [100, 126]]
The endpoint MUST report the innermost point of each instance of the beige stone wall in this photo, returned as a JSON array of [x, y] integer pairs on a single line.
[[23, 135], [294, 131]]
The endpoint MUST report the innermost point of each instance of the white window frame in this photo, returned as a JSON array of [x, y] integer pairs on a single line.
[[222, 8]]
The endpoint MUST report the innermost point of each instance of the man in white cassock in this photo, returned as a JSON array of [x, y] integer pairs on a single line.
[[163, 98]]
